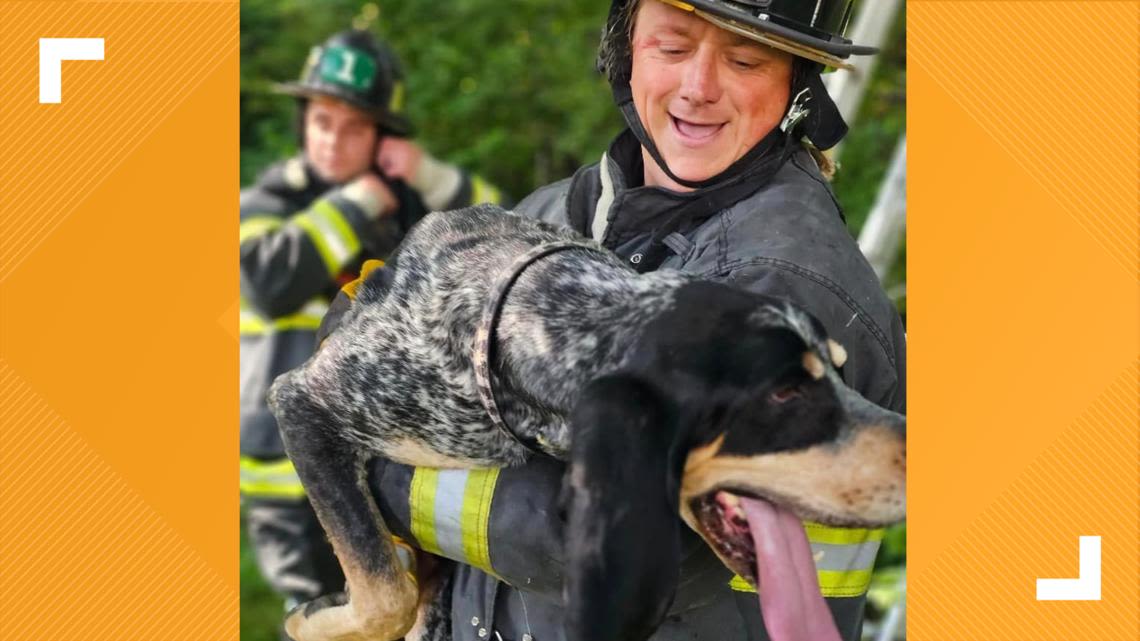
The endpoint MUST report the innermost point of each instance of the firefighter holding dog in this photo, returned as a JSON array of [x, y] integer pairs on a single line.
[[306, 225], [718, 174]]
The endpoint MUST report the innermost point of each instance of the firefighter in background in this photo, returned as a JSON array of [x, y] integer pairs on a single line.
[[306, 226]]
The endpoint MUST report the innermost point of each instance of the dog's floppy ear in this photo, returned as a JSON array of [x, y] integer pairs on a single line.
[[623, 536]]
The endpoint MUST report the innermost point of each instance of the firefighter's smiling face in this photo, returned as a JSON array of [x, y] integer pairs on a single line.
[[705, 95], [340, 139]]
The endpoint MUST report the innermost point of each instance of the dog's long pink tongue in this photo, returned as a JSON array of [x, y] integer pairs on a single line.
[[790, 600]]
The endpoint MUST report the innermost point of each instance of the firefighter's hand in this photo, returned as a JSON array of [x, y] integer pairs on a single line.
[[399, 158], [373, 196]]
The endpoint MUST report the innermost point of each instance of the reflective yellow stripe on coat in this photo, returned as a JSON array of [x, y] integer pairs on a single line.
[[308, 317], [257, 226], [450, 511], [844, 559], [331, 234], [269, 479], [484, 192]]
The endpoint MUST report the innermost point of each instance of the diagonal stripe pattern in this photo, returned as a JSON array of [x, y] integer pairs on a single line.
[[84, 556], [1024, 235], [115, 521], [156, 54], [1085, 483], [1039, 77]]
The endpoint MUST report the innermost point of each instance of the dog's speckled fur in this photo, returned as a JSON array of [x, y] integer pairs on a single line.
[[402, 359], [641, 368]]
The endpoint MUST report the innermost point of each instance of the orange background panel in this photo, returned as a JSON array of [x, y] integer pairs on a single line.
[[1023, 315], [118, 350], [118, 373]]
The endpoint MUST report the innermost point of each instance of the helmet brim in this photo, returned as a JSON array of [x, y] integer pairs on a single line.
[[392, 123], [831, 53]]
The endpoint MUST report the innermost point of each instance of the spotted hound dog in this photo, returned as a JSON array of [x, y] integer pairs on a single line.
[[490, 336]]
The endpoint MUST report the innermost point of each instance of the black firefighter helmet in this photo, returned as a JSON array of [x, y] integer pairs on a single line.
[[355, 67], [811, 30]]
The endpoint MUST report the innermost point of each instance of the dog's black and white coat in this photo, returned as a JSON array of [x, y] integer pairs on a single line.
[[660, 389]]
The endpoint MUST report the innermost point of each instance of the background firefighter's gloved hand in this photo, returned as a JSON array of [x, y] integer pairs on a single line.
[[372, 195], [440, 185], [400, 158], [380, 202]]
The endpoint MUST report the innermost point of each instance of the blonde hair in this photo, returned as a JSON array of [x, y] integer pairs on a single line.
[[826, 165]]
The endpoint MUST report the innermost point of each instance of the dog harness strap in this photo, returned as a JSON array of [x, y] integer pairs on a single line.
[[482, 356]]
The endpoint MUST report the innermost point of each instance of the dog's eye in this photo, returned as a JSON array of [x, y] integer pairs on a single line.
[[785, 394]]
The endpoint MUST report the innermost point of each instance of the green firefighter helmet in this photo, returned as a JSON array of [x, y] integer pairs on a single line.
[[355, 67]]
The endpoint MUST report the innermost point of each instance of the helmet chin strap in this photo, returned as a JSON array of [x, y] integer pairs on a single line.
[[810, 113], [822, 123], [741, 166]]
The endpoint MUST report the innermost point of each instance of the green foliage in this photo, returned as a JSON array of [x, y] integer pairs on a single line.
[[508, 90], [262, 611], [886, 589], [893, 549], [868, 148], [890, 566]]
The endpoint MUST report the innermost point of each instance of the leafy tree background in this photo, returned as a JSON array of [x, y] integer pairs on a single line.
[[506, 89]]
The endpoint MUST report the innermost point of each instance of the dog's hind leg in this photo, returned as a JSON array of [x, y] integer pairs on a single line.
[[380, 603], [433, 621]]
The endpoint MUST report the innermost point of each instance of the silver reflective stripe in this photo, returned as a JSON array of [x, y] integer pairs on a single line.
[[251, 476], [602, 209], [449, 512], [315, 308], [830, 556], [338, 246]]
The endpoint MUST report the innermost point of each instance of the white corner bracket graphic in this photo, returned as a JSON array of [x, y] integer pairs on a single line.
[[53, 51], [1086, 587]]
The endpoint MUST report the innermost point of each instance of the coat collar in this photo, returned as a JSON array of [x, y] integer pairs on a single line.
[[614, 188]]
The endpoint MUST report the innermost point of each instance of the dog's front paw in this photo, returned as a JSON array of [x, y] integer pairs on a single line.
[[333, 618]]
